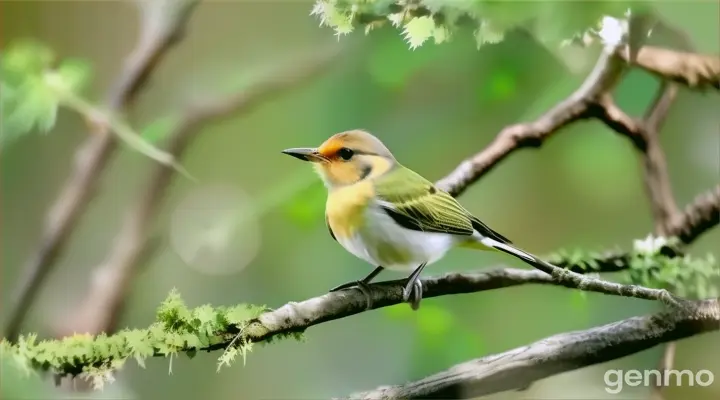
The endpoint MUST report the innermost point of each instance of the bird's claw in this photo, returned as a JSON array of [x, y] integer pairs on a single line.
[[346, 286], [364, 288], [412, 293]]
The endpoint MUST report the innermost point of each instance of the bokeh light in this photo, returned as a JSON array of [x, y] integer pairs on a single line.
[[214, 229]]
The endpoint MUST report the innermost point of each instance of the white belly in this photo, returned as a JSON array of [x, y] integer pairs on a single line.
[[382, 242]]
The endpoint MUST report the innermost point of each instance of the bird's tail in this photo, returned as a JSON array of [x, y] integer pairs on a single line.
[[489, 243]]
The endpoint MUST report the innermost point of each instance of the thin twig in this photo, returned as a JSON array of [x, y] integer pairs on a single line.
[[518, 368], [644, 134], [93, 156], [102, 306]]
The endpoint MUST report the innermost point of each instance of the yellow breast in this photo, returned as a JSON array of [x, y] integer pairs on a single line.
[[345, 208]]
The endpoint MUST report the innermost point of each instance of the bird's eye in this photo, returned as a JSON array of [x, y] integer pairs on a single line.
[[345, 153]]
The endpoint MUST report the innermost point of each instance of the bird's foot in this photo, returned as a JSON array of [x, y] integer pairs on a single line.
[[412, 293], [346, 286], [364, 288]]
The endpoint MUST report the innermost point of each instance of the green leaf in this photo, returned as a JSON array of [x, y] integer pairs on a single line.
[[418, 30], [159, 129], [240, 313], [32, 105], [227, 357], [28, 101], [25, 57], [486, 33], [340, 20], [74, 74]]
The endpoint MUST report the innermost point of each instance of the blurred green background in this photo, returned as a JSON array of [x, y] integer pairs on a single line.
[[433, 107]]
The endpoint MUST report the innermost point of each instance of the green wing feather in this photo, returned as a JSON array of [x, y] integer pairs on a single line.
[[415, 203]]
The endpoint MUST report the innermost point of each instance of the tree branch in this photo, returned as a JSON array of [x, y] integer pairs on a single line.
[[91, 158], [77, 354], [578, 105], [644, 134], [699, 216], [112, 279], [520, 367], [696, 71]]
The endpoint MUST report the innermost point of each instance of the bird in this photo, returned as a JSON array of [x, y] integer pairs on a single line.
[[392, 217]]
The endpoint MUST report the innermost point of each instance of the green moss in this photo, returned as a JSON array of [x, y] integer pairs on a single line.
[[655, 262], [177, 329]]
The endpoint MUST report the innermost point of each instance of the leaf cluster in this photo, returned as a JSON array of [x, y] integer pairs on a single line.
[[685, 276], [33, 83], [655, 263], [488, 20]]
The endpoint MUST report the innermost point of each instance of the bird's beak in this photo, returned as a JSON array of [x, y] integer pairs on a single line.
[[305, 154]]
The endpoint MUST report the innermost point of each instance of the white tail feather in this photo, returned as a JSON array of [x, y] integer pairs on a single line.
[[514, 251], [508, 249]]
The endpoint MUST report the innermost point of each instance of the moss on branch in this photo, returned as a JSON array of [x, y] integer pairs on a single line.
[[177, 329]]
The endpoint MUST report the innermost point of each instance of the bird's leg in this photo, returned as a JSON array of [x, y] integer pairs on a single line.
[[364, 282], [413, 288], [362, 285]]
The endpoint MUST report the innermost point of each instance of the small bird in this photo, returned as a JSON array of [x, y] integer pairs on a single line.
[[390, 216]]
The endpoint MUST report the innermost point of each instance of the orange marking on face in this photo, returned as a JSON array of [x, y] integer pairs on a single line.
[[331, 146]]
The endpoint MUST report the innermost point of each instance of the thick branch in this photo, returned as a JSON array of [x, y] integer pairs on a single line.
[[697, 71], [297, 317], [112, 279], [557, 354], [93, 156]]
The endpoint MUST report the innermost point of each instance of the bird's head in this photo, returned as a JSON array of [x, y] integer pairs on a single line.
[[347, 157]]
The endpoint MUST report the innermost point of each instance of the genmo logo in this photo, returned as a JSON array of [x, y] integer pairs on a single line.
[[616, 379]]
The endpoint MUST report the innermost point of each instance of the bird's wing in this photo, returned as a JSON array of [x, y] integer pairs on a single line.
[[415, 203]]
